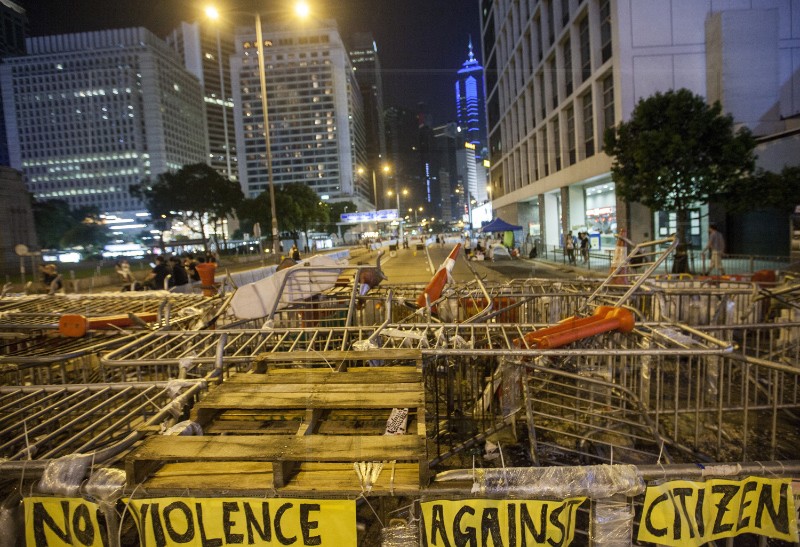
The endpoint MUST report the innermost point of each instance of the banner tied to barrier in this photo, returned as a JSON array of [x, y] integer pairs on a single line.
[[684, 513], [198, 522], [498, 522]]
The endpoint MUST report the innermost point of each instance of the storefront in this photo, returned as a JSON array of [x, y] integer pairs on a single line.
[[600, 209]]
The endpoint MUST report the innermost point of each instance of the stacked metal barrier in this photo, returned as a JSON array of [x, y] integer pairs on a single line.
[[697, 383]]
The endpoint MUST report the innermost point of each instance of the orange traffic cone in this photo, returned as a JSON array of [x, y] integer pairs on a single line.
[[436, 285], [206, 272]]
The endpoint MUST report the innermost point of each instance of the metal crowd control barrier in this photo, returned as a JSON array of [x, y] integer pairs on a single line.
[[43, 313], [93, 422]]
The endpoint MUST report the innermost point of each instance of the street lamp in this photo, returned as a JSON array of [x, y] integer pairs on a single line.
[[302, 10], [399, 213]]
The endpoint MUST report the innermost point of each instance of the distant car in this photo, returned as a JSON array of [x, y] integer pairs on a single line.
[[498, 251]]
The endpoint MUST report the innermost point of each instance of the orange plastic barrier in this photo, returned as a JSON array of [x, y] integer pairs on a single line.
[[75, 325], [206, 272], [439, 279], [605, 319]]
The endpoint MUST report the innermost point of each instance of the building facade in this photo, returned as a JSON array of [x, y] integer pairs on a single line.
[[18, 225], [315, 111], [90, 114], [367, 68], [470, 100], [13, 31], [559, 72], [206, 49]]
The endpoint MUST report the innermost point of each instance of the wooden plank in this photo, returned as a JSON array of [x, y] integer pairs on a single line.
[[405, 354], [155, 451], [312, 479], [356, 375], [311, 400], [331, 386]]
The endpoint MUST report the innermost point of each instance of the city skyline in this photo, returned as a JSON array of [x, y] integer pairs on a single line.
[[421, 44]]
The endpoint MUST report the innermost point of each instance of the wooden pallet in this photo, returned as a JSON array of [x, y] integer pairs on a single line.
[[263, 425]]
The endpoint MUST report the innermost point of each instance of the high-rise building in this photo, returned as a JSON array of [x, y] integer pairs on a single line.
[[315, 111], [13, 31], [470, 102], [402, 145], [560, 72], [17, 217], [206, 49], [90, 114], [367, 68]]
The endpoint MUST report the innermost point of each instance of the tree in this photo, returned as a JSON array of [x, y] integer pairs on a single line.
[[765, 190], [258, 209], [677, 152], [308, 211], [58, 227], [335, 212], [196, 192]]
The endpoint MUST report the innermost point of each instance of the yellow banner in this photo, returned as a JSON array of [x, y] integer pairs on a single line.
[[52, 522], [499, 522], [244, 521], [684, 513]]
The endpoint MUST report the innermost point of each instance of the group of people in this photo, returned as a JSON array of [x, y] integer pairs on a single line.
[[580, 244], [166, 273]]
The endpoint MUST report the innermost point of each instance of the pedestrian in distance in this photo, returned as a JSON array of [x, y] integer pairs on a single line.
[[178, 274], [715, 249], [569, 247], [584, 243], [295, 253], [155, 279]]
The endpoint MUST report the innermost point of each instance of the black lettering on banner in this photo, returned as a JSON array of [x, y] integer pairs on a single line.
[[206, 542], [438, 526], [158, 531], [278, 531], [512, 524], [82, 525], [188, 534], [568, 507], [780, 517], [744, 503], [490, 524], [682, 494], [265, 532], [526, 524], [229, 507], [464, 537], [557, 524], [728, 492], [648, 518], [699, 515], [307, 525], [42, 517]]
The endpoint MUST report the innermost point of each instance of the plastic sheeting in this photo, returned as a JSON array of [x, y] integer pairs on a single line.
[[400, 535], [594, 481], [186, 428], [106, 485], [64, 475], [612, 523]]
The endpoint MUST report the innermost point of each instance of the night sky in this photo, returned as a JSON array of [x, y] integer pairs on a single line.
[[421, 43]]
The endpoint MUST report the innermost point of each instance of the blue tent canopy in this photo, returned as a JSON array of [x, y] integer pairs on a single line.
[[499, 225]]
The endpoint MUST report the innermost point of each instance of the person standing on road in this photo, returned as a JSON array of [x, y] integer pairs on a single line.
[[155, 279], [295, 252], [715, 247]]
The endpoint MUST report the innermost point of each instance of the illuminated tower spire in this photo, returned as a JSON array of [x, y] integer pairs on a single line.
[[470, 101]]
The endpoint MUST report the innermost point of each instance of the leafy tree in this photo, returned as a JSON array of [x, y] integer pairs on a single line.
[[677, 152], [196, 192], [258, 209], [335, 211], [765, 190], [308, 211], [58, 227]]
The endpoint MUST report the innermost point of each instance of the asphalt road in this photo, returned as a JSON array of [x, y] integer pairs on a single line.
[[412, 266]]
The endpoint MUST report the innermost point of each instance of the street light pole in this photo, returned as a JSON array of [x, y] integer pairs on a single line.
[[264, 108], [375, 189]]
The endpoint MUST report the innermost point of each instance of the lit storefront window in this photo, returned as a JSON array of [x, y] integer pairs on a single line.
[[601, 214]]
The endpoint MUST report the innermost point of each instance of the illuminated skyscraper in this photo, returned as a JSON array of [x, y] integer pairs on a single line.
[[470, 102], [90, 114], [315, 111], [13, 31]]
